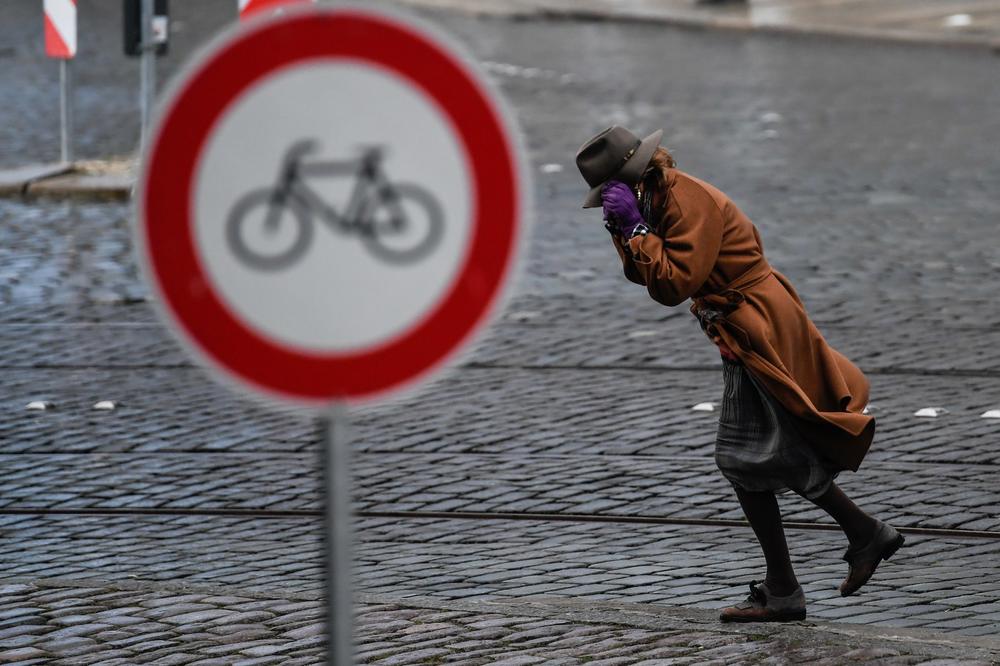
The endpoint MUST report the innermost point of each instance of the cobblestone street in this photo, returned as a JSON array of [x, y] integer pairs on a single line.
[[517, 511]]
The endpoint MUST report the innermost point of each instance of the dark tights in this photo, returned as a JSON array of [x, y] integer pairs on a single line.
[[764, 516], [857, 525]]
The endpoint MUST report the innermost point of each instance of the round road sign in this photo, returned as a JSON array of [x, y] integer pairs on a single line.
[[331, 204]]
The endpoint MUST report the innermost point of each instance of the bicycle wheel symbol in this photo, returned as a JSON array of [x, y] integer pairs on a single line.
[[266, 236], [406, 227]]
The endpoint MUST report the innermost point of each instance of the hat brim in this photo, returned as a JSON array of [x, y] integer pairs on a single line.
[[631, 171]]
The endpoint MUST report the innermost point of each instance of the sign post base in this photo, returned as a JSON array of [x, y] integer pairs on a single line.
[[335, 453]]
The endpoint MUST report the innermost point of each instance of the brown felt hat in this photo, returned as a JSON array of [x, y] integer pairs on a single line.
[[614, 154]]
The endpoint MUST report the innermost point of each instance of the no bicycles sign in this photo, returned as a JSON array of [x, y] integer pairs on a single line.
[[331, 204]]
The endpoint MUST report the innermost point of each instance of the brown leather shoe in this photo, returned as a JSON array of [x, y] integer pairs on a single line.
[[865, 559], [762, 606]]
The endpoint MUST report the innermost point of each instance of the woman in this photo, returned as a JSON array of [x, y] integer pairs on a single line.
[[792, 409]]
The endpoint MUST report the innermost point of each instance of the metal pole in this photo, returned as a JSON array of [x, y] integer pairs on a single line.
[[65, 110], [338, 535], [147, 78]]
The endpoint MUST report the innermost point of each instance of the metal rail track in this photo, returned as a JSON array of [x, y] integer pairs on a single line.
[[970, 373], [475, 515]]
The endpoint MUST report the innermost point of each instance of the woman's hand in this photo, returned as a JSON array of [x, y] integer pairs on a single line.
[[621, 207]]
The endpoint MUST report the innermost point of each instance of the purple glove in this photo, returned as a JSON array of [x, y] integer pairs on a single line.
[[621, 207]]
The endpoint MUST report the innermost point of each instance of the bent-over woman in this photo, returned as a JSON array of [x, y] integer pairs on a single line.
[[792, 414]]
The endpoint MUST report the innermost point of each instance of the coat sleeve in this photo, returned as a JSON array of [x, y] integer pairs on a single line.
[[674, 265], [625, 254]]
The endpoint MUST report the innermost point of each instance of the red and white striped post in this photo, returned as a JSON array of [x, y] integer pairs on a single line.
[[60, 42], [248, 7]]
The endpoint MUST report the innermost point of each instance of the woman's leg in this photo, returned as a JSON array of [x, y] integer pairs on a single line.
[[871, 541], [761, 510], [857, 525]]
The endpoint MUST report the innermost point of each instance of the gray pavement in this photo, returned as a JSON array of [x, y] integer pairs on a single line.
[[182, 526]]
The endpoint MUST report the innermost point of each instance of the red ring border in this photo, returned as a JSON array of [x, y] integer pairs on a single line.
[[165, 218]]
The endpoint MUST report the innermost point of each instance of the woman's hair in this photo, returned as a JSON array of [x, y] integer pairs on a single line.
[[660, 161], [654, 178]]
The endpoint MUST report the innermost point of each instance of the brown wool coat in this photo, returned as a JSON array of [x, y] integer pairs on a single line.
[[706, 249]]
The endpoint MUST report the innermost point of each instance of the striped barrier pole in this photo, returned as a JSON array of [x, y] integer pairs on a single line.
[[60, 43]]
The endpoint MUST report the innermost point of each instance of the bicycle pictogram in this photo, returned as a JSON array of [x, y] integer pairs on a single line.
[[271, 228]]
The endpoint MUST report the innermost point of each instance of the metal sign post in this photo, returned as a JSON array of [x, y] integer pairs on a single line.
[[65, 110], [338, 534], [146, 34], [147, 70]]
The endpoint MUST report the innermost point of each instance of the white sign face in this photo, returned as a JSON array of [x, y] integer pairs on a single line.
[[332, 206]]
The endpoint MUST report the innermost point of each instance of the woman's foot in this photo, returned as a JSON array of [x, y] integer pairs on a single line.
[[764, 606], [864, 559]]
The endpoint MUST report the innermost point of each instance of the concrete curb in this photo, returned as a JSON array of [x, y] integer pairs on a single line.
[[14, 182], [689, 20], [93, 187], [870, 639], [68, 181], [667, 618]]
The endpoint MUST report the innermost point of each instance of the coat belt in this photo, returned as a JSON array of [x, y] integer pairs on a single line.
[[712, 307]]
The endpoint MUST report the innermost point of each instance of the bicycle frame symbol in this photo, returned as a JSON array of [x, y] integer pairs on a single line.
[[399, 223]]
